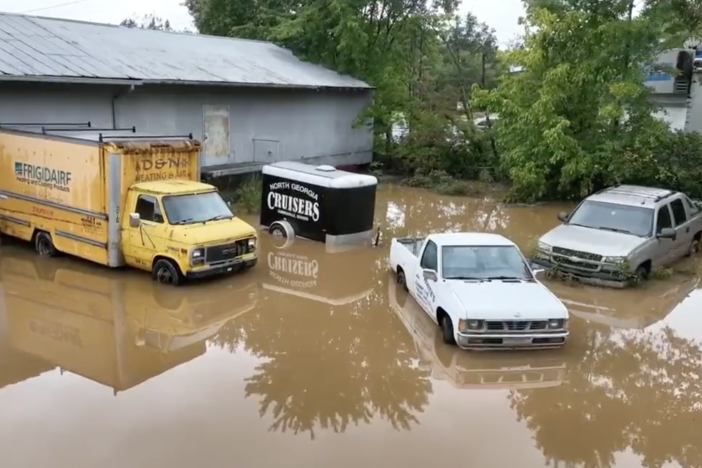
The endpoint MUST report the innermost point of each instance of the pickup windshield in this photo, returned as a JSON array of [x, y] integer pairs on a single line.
[[195, 208], [611, 217], [484, 262]]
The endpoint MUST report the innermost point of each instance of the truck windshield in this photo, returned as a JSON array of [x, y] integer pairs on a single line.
[[612, 217], [484, 262], [195, 208]]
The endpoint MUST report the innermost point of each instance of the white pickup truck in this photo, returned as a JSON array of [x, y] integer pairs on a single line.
[[480, 290]]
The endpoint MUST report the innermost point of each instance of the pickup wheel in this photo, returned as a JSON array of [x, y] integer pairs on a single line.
[[694, 248], [165, 272], [401, 279], [641, 274], [447, 330], [44, 245]]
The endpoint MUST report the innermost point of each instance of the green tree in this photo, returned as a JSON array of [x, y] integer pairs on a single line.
[[578, 114], [148, 22]]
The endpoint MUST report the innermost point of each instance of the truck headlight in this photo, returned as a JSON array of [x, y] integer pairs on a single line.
[[197, 256], [251, 244], [471, 325], [615, 260], [543, 247], [557, 324]]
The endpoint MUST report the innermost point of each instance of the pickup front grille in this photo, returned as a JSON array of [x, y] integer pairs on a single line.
[[221, 253], [577, 253], [516, 326]]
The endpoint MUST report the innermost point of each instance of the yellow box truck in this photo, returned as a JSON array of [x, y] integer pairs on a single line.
[[133, 200], [111, 328]]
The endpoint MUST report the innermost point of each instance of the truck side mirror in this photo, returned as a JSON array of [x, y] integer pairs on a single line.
[[134, 220], [563, 216], [430, 275], [667, 233]]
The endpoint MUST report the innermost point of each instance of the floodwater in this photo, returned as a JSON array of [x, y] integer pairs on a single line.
[[316, 359]]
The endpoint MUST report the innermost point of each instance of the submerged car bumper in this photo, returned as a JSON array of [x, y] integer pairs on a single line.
[[554, 339], [589, 273], [224, 268]]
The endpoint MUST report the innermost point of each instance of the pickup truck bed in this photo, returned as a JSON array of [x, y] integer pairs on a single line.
[[413, 244]]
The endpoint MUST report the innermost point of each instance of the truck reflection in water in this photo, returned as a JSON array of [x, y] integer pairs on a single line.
[[473, 370], [632, 308], [114, 328]]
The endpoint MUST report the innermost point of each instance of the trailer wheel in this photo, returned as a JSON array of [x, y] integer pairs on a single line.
[[44, 245], [283, 234], [164, 272]]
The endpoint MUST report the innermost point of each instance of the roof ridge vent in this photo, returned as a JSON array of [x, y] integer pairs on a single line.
[[325, 168]]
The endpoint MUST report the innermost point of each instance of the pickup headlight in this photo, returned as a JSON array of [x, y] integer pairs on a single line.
[[251, 244], [615, 260], [471, 325], [557, 324], [543, 247], [197, 256]]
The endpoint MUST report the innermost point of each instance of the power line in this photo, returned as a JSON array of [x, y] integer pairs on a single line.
[[51, 7]]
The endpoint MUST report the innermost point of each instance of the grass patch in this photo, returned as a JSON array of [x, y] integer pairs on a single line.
[[444, 184], [246, 197]]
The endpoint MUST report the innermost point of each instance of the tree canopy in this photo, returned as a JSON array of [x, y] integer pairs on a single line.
[[575, 118]]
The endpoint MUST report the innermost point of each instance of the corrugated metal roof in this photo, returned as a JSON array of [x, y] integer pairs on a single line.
[[49, 49]]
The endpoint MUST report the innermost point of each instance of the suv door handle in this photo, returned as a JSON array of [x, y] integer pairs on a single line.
[[687, 229]]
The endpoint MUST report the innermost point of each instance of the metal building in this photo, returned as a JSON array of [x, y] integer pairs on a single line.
[[250, 102]]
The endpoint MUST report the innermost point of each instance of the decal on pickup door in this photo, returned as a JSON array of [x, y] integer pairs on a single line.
[[424, 290]]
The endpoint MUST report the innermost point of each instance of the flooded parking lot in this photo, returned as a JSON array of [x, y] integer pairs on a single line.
[[316, 359]]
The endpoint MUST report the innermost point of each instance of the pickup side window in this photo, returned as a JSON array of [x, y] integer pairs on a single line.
[[148, 209], [430, 257], [678, 212], [663, 221]]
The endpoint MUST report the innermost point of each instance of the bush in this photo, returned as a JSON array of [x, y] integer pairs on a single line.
[[247, 194]]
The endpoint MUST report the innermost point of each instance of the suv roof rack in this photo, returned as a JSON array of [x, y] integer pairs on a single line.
[[644, 192]]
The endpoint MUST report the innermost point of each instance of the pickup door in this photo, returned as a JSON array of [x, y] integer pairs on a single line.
[[424, 289], [687, 222]]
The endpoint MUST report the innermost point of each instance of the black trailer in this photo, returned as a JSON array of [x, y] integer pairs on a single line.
[[319, 203]]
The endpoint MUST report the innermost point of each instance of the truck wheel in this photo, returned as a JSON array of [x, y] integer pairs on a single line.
[[401, 279], [447, 330], [641, 274], [44, 245], [694, 248], [277, 231], [165, 272]]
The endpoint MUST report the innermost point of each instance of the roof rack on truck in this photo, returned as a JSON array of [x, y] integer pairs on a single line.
[[319, 203]]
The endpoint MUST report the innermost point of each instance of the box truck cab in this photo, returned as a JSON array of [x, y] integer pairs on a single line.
[[131, 200], [111, 328]]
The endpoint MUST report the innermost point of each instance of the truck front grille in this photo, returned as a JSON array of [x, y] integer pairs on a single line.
[[515, 326], [221, 253], [577, 254]]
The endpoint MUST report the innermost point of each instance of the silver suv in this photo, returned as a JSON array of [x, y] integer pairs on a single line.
[[622, 233]]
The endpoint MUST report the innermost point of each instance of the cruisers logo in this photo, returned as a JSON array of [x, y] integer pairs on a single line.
[[289, 205], [295, 265]]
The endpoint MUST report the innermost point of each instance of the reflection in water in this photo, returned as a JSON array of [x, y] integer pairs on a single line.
[[324, 341], [115, 329], [332, 357]]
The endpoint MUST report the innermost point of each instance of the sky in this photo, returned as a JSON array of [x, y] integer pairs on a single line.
[[502, 15]]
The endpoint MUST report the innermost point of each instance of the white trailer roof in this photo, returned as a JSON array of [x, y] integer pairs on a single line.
[[324, 176]]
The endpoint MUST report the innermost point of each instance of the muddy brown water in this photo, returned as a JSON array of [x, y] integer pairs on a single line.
[[316, 359]]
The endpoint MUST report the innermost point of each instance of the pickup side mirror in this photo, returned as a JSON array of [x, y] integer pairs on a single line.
[[134, 220], [430, 275], [667, 233], [563, 216]]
